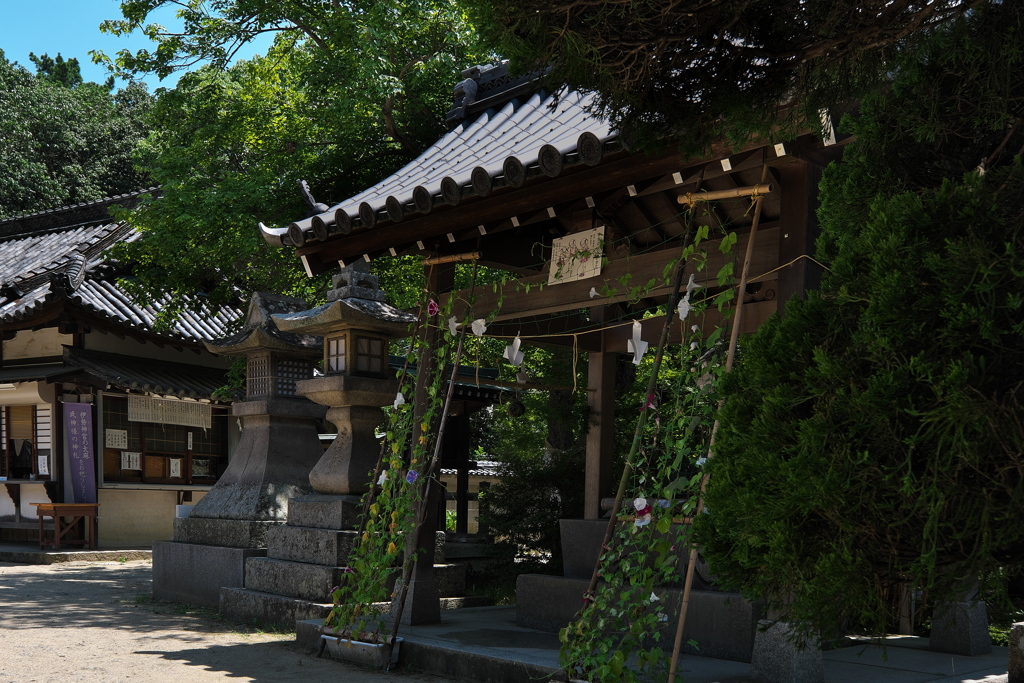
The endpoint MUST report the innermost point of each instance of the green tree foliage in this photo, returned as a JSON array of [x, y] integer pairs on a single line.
[[349, 93], [701, 69], [873, 434], [65, 141], [539, 438]]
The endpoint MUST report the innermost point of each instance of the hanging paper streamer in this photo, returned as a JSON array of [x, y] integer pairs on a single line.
[[637, 346], [512, 353], [479, 327], [522, 377], [684, 303]]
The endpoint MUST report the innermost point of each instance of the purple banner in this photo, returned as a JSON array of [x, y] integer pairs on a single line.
[[78, 427]]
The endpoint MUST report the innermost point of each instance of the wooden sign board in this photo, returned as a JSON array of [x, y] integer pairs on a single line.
[[577, 256]]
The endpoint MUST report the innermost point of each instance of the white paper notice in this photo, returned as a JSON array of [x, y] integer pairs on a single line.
[[176, 467], [115, 438], [44, 465], [131, 461]]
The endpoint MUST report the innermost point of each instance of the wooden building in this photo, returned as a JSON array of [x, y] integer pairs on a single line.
[[147, 434], [520, 171]]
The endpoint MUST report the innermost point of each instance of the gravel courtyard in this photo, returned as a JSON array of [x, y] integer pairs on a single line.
[[85, 622]]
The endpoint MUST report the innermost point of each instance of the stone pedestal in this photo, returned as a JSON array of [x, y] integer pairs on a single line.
[[960, 628], [777, 659], [305, 559], [233, 522], [346, 466], [1016, 670]]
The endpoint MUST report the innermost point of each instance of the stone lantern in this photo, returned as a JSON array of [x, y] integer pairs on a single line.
[[356, 325], [276, 450]]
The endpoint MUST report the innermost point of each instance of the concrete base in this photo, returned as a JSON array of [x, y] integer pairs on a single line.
[[961, 628], [722, 624], [231, 533], [194, 574], [1016, 670], [778, 660]]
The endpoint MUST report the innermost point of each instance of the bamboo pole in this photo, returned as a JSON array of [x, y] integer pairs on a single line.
[[692, 198], [452, 258], [691, 564]]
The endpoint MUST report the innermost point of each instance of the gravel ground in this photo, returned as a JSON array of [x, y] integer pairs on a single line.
[[83, 622]]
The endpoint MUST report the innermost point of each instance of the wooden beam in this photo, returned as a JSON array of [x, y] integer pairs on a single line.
[[532, 296]]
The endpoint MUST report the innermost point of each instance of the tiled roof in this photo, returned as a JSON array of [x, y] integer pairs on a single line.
[[503, 145], [58, 254], [157, 377]]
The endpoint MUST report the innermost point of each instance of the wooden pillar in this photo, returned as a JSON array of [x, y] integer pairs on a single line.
[[798, 223], [601, 369]]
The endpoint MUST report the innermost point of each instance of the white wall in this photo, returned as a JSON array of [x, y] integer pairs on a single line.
[[36, 343], [98, 341], [134, 519]]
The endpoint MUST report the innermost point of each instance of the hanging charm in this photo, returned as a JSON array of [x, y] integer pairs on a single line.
[[512, 353], [636, 345], [684, 303]]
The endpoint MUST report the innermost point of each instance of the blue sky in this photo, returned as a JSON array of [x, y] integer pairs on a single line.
[[71, 27]]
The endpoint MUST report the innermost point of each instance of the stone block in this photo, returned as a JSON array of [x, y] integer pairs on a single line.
[[319, 511], [194, 574], [581, 543], [265, 609], [722, 624], [960, 628], [231, 533], [777, 659], [422, 603], [314, 546], [1016, 670], [451, 580]]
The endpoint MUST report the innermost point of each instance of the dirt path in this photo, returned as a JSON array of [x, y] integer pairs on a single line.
[[96, 623]]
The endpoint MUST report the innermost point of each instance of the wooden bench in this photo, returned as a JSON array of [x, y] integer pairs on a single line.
[[77, 512]]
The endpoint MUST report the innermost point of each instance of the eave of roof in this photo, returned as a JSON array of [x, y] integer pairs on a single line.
[[143, 374], [502, 147]]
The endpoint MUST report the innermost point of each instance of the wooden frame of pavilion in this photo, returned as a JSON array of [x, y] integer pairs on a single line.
[[521, 168]]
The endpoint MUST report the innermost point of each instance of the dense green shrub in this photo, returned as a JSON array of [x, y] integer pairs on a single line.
[[874, 434]]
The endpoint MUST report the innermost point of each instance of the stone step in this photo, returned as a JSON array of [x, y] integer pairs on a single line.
[[310, 545], [325, 512], [268, 610], [314, 582], [311, 582]]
